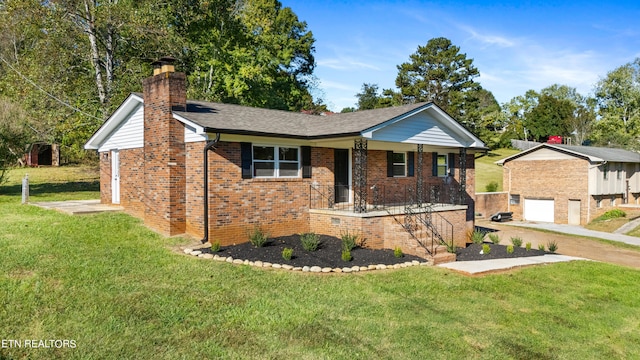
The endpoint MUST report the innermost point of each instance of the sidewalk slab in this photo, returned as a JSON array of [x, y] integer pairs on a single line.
[[578, 230], [484, 266], [78, 207]]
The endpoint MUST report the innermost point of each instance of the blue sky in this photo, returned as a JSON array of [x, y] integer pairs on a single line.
[[517, 46]]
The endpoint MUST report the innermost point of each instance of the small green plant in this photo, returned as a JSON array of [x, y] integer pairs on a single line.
[[397, 252], [310, 241], [527, 246], [509, 249], [451, 248], [486, 249], [346, 255], [552, 246], [477, 237], [215, 246], [287, 253], [612, 214], [516, 241], [257, 237], [349, 241], [541, 247], [495, 239], [492, 186]]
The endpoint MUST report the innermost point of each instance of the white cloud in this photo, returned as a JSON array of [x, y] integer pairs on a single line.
[[345, 63], [499, 41]]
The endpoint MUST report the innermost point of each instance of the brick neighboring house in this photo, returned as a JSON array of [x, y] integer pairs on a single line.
[[371, 172], [569, 184]]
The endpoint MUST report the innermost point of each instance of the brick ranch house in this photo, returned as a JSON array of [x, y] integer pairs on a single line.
[[401, 176], [569, 184]]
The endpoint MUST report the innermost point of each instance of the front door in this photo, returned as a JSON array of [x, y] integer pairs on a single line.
[[115, 177], [341, 175]]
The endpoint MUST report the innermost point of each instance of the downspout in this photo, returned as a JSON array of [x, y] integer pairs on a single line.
[[210, 145]]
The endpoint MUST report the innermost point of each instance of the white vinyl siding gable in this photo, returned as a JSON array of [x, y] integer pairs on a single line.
[[129, 135], [419, 129]]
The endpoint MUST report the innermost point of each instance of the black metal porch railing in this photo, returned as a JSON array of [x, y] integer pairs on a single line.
[[381, 197]]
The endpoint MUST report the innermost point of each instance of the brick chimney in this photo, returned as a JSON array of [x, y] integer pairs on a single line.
[[164, 149]]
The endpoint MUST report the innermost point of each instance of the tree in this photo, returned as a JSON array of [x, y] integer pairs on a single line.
[[438, 72], [550, 117], [254, 52], [618, 99], [14, 135], [368, 98]]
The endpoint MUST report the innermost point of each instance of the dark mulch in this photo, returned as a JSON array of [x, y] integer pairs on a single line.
[[472, 252], [327, 255]]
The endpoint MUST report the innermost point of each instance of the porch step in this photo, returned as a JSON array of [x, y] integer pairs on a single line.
[[441, 258]]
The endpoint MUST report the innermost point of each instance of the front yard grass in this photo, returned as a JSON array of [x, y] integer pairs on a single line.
[[487, 171], [119, 291]]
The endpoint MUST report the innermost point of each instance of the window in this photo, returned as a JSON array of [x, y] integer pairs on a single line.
[[619, 172], [514, 199], [605, 171], [399, 164], [443, 166], [275, 161], [598, 203]]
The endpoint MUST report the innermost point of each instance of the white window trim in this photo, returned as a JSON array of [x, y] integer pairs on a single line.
[[404, 164], [275, 161], [447, 170]]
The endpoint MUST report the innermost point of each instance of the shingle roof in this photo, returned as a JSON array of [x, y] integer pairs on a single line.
[[230, 118], [594, 154], [603, 154]]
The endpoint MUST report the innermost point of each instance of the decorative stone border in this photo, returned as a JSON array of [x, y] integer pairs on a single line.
[[313, 269]]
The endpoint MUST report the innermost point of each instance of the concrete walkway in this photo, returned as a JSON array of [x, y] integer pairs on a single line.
[[577, 230], [78, 207], [487, 266]]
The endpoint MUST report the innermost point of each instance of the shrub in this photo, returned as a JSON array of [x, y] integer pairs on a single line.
[[451, 248], [541, 247], [509, 249], [528, 246], [494, 238], [215, 246], [486, 249], [257, 237], [349, 241], [477, 237], [516, 241], [346, 255], [612, 214], [287, 253], [397, 252], [310, 241], [552, 246], [492, 186]]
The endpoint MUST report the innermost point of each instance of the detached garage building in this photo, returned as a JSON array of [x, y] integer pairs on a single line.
[[569, 184]]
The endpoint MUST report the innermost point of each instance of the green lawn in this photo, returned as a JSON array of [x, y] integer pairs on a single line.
[[120, 292], [487, 171]]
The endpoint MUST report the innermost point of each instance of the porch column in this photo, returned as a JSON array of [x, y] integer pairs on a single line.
[[419, 176], [463, 174], [360, 176]]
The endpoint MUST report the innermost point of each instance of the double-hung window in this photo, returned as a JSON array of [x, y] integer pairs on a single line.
[[399, 164], [276, 161], [443, 165]]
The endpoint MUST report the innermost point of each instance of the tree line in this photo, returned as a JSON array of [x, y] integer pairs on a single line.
[[440, 73], [65, 65]]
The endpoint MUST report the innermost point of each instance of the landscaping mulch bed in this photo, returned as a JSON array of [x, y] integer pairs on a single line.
[[472, 252], [327, 255]]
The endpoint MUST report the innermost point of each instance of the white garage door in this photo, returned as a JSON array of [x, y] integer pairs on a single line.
[[538, 210]]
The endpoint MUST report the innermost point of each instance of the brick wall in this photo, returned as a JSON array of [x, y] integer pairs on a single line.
[[384, 231], [105, 178], [561, 180], [164, 154], [488, 204]]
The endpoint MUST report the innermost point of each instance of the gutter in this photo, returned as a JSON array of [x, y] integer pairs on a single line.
[[210, 145]]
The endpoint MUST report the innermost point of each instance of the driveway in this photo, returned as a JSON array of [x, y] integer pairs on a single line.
[[577, 243]]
